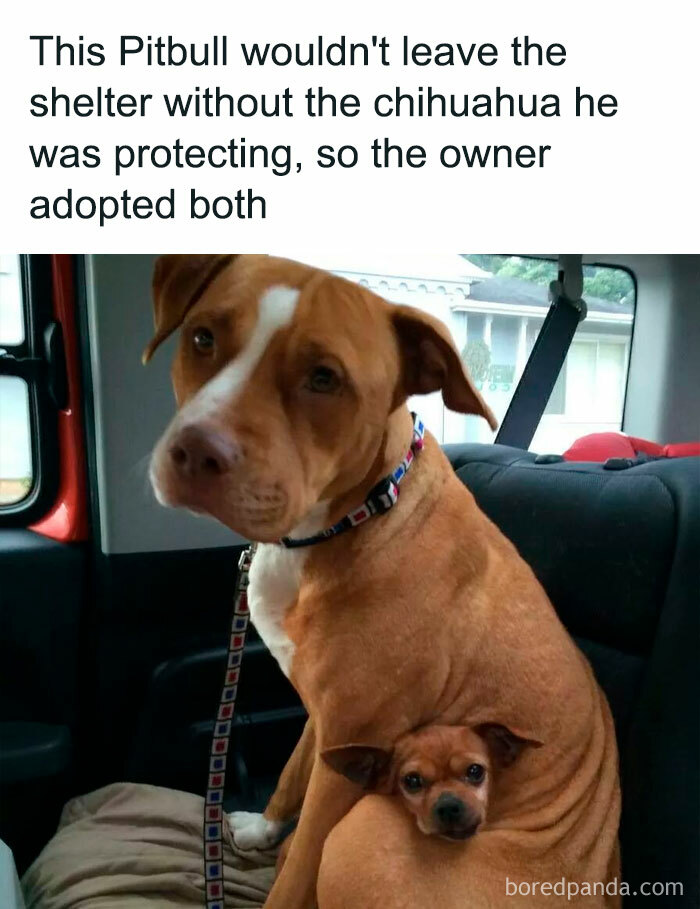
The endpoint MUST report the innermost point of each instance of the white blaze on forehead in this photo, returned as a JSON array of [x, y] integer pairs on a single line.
[[275, 310]]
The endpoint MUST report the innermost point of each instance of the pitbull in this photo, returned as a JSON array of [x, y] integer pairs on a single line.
[[291, 387]]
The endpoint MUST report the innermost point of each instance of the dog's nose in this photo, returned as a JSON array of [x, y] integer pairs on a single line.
[[449, 810], [199, 451], [454, 819]]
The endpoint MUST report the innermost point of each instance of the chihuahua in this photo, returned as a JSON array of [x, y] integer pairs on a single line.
[[444, 774]]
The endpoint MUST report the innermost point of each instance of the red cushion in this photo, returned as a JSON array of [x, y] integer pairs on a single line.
[[599, 446], [682, 450]]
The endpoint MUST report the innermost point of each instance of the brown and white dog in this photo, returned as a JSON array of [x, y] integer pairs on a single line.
[[443, 774], [291, 385]]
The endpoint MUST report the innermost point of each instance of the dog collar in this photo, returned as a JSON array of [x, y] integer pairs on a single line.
[[382, 497]]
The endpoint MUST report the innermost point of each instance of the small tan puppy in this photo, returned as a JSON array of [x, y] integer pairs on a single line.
[[443, 773]]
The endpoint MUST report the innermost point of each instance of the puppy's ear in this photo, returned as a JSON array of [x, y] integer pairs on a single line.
[[361, 764], [430, 362], [178, 282], [505, 746]]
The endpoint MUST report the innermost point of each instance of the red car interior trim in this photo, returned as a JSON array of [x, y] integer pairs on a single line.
[[67, 520]]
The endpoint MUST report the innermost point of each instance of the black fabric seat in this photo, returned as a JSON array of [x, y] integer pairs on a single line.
[[618, 552]]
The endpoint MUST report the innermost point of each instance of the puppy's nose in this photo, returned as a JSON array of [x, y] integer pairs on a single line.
[[199, 451], [449, 810]]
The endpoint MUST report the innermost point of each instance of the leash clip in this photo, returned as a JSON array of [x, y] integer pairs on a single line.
[[244, 563]]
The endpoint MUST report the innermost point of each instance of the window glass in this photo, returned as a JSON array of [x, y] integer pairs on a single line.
[[15, 441], [494, 307], [15, 422], [11, 315]]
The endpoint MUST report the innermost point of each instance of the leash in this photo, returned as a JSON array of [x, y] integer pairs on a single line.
[[214, 799], [382, 497]]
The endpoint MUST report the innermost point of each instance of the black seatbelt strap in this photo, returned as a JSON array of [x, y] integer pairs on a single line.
[[530, 398]]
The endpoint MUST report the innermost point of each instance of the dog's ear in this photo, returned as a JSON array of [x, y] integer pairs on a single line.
[[178, 282], [361, 764], [430, 362], [505, 746]]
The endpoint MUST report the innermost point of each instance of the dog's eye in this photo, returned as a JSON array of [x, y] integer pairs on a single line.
[[323, 380], [475, 773], [412, 782], [203, 340]]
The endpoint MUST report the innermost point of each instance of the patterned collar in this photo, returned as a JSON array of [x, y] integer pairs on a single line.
[[381, 498]]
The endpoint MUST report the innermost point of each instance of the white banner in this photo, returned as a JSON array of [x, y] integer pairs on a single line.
[[215, 126]]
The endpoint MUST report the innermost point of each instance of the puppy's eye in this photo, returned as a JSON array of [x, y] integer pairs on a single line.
[[412, 782], [323, 380], [475, 773], [203, 340]]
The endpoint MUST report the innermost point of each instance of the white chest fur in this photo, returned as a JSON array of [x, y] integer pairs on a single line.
[[275, 576]]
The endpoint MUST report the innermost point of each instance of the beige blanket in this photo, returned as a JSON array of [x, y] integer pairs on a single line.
[[137, 847]]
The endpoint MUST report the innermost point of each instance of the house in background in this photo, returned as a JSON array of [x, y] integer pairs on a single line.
[[507, 314], [494, 322]]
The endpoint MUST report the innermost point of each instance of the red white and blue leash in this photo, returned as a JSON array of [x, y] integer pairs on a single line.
[[381, 498]]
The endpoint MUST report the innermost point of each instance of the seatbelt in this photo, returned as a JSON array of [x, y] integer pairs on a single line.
[[542, 369]]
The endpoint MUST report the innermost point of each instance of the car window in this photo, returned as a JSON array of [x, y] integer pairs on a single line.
[[16, 471], [495, 306]]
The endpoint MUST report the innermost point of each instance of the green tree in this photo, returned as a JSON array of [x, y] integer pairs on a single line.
[[608, 283], [539, 271], [487, 262], [613, 284]]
